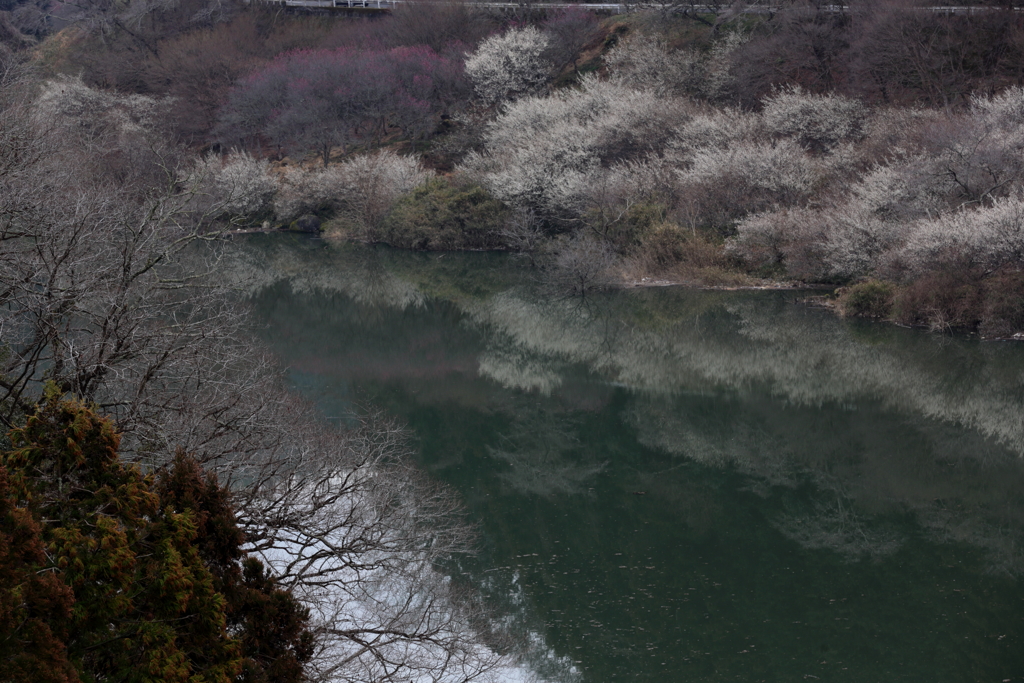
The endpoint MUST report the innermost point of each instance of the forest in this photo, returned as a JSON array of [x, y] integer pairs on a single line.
[[873, 150], [169, 511]]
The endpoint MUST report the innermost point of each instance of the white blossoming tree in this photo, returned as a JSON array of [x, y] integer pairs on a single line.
[[508, 66]]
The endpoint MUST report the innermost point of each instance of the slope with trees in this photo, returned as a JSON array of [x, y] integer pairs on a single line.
[[111, 294], [880, 148]]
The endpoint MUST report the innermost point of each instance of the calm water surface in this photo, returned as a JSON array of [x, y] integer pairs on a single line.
[[676, 485]]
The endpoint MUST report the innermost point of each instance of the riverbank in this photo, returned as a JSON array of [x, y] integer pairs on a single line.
[[988, 304]]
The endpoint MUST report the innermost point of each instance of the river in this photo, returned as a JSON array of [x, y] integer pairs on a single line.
[[680, 485]]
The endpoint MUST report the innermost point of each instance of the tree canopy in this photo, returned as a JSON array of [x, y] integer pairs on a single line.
[[315, 100], [112, 574]]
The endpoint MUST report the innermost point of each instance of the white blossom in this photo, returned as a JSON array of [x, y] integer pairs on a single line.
[[781, 166], [989, 236], [646, 62], [365, 186], [509, 65], [1005, 110], [818, 121], [547, 152], [91, 115], [237, 186]]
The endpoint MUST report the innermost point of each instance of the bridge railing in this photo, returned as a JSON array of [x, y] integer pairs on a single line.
[[613, 7], [391, 4]]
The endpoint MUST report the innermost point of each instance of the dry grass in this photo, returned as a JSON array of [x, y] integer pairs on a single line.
[[670, 254]]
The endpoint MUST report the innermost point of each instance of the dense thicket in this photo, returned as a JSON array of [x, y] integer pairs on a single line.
[[812, 143], [316, 100], [884, 51]]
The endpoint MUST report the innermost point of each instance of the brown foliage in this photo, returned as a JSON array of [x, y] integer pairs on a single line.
[[669, 251], [802, 46], [992, 304], [197, 69], [891, 51], [941, 300], [442, 26], [902, 53], [1003, 314], [35, 607]]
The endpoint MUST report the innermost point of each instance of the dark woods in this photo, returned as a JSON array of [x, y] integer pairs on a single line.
[[884, 52]]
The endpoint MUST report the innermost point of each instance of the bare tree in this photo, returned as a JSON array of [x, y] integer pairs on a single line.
[[140, 25], [108, 291], [358, 535], [582, 263], [99, 292], [571, 31]]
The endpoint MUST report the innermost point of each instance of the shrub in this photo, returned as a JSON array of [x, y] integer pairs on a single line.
[[666, 247], [786, 239], [581, 263], [637, 220], [441, 214], [662, 245], [362, 189], [942, 300], [871, 299], [1003, 313]]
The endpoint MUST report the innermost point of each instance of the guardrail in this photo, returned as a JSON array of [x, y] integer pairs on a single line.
[[616, 8], [391, 4]]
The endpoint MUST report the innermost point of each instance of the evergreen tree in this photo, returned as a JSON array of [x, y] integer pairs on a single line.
[[268, 621], [146, 608], [34, 606], [144, 578]]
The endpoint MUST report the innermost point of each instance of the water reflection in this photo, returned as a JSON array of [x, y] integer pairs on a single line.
[[544, 455], [364, 278], [635, 455], [879, 419]]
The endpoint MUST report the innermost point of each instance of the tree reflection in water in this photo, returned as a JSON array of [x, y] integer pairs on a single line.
[[881, 421], [666, 478]]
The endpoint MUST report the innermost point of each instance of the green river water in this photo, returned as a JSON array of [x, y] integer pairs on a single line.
[[679, 485]]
